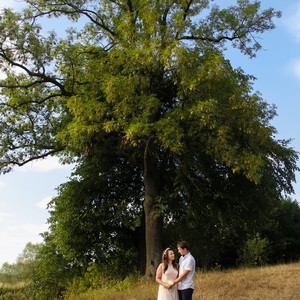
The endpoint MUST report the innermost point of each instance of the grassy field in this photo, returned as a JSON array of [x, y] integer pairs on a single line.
[[281, 282]]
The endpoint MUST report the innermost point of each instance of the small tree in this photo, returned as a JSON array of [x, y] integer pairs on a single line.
[[255, 251]]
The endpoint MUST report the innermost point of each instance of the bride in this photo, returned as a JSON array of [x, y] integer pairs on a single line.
[[166, 273]]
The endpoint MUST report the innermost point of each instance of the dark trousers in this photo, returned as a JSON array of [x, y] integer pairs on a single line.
[[185, 294]]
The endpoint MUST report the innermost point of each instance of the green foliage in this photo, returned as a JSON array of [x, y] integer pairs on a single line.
[[98, 213], [10, 273], [20, 273], [52, 272], [139, 86], [91, 279], [283, 231], [13, 293], [103, 284], [40, 272], [255, 251]]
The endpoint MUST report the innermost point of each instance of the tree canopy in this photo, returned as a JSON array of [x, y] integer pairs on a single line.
[[148, 82]]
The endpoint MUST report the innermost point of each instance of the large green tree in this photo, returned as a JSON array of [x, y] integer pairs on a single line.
[[149, 74]]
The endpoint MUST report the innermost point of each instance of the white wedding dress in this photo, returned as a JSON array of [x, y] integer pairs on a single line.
[[172, 293]]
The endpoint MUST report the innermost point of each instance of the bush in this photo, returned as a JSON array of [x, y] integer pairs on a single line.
[[254, 252]]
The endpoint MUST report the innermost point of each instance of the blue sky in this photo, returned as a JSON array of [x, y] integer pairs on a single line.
[[24, 193]]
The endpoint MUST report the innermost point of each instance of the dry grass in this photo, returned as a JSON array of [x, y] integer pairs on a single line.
[[281, 282]]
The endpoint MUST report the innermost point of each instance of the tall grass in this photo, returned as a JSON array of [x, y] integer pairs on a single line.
[[281, 282]]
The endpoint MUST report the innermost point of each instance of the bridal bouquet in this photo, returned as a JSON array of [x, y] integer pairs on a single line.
[[170, 283]]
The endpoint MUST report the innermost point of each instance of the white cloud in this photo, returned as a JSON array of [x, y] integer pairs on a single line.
[[22, 234], [44, 202], [294, 68], [15, 4], [292, 20], [5, 216], [2, 184], [44, 165], [14, 239]]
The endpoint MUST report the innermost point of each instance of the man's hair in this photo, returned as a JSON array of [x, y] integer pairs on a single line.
[[183, 245]]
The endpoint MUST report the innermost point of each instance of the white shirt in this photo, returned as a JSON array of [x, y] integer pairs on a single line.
[[187, 262]]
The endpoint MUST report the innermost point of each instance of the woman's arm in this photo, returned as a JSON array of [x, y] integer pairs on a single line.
[[159, 273]]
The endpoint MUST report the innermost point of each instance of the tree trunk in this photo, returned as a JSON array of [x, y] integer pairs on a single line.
[[141, 245], [153, 218]]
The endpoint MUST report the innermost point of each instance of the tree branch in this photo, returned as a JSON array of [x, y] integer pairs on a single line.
[[186, 11], [17, 163], [208, 39], [44, 77]]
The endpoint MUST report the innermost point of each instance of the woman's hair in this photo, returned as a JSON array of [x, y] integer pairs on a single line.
[[165, 260]]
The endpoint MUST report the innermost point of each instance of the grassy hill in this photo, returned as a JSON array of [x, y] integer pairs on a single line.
[[280, 282]]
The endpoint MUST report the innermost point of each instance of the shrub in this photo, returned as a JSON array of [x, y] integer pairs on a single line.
[[254, 252]]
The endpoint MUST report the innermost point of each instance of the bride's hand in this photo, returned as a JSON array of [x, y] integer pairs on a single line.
[[166, 286], [170, 283]]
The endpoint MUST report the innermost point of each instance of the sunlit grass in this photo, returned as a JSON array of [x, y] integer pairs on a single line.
[[17, 285], [281, 282]]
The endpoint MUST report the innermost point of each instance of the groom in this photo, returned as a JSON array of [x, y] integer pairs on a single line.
[[186, 272]]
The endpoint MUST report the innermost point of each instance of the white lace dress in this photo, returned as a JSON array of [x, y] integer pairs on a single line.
[[172, 293]]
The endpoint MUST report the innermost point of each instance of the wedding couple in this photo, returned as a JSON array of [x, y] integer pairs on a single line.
[[176, 282]]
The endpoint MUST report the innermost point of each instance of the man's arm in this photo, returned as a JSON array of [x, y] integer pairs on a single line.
[[182, 276]]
